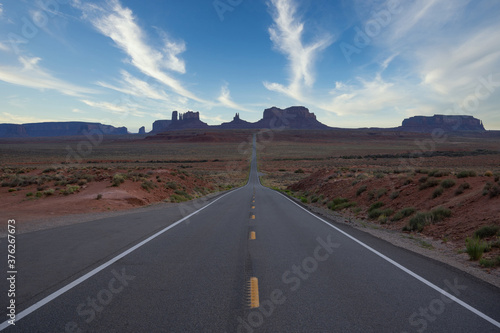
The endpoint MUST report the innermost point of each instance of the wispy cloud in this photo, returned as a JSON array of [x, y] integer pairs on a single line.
[[287, 34], [122, 109], [6, 117], [30, 74], [119, 24], [1, 10], [225, 100], [131, 85], [3, 47]]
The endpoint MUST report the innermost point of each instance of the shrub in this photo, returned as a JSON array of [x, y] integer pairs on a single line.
[[118, 179], [429, 183], [304, 199], [340, 203], [148, 185], [488, 174], [299, 171], [489, 263], [99, 197], [48, 170], [377, 212], [29, 194], [438, 173], [371, 195], [376, 205], [461, 188], [379, 175], [171, 185], [70, 189], [394, 195], [475, 247], [381, 192], [49, 192], [12, 190], [408, 181], [486, 231], [39, 194], [440, 213], [437, 192], [405, 212], [447, 183], [466, 173], [423, 179], [419, 221], [494, 191], [177, 198]]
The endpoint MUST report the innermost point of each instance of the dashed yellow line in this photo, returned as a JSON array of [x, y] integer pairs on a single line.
[[252, 235], [254, 292], [253, 217], [253, 207]]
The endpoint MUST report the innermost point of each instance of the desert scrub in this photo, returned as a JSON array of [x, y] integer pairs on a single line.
[[118, 179], [475, 247], [49, 192], [360, 190], [431, 182], [381, 192], [438, 173], [421, 219], [490, 263], [405, 212], [487, 231], [375, 210], [394, 195], [461, 188], [171, 185], [299, 171], [148, 185], [466, 173], [447, 183], [70, 189], [488, 174], [340, 203], [437, 192], [184, 194]]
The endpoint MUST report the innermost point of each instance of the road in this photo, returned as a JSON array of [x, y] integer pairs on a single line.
[[250, 260]]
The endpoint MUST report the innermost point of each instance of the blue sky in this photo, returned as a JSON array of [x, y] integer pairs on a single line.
[[354, 63]]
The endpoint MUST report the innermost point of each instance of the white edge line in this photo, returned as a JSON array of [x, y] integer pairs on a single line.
[[404, 269], [73, 284]]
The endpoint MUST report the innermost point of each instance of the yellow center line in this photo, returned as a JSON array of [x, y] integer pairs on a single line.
[[254, 293], [252, 235], [253, 217], [253, 207]]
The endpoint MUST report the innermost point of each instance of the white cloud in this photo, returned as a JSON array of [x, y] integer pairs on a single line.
[[131, 85], [31, 75], [77, 111], [3, 47], [9, 118], [286, 35], [1, 9], [124, 110], [119, 24], [225, 100]]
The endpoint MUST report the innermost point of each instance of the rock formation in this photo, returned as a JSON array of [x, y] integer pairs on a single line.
[[295, 117], [443, 122], [142, 130], [51, 129]]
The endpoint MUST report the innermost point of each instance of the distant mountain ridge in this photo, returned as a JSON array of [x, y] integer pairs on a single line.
[[444, 122], [54, 129]]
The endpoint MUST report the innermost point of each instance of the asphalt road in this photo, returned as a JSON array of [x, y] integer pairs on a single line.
[[250, 261]]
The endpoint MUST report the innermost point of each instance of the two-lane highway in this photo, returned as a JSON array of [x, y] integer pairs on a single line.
[[251, 260]]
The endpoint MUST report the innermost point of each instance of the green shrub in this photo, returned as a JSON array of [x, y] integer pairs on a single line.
[[49, 192], [48, 170], [299, 171], [360, 190], [304, 199], [171, 185], [431, 182], [490, 263], [394, 195], [438, 173], [405, 212], [475, 247], [377, 212], [461, 188], [99, 197], [177, 198], [486, 231], [340, 203], [70, 189], [29, 194], [466, 173], [371, 195], [376, 205], [148, 185], [440, 213], [379, 175], [118, 179], [381, 192], [419, 221], [447, 183], [423, 179], [39, 194], [12, 190], [437, 192]]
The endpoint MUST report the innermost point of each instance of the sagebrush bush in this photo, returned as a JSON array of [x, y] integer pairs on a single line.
[[447, 183], [360, 190], [405, 212], [487, 231], [475, 247]]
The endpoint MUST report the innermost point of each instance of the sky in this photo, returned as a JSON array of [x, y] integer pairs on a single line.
[[354, 63]]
